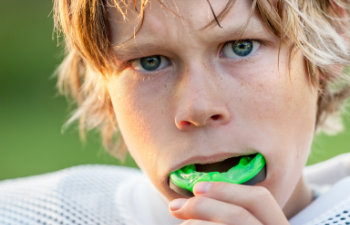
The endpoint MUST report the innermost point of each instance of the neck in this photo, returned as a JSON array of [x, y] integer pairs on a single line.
[[301, 197]]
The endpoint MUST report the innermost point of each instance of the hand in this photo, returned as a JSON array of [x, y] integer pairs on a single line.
[[218, 203]]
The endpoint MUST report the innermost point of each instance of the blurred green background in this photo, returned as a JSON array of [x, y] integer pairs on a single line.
[[32, 113]]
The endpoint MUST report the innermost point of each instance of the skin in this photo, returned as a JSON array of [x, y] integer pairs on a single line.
[[204, 107]]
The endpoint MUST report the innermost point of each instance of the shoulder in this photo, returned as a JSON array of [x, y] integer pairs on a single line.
[[329, 172], [80, 178], [82, 194], [332, 207], [331, 179]]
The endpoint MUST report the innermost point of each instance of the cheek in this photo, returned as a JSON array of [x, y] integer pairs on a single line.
[[274, 111], [276, 104], [283, 125], [131, 120], [142, 122]]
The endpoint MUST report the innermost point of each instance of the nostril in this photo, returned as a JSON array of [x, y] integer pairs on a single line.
[[184, 123], [216, 117]]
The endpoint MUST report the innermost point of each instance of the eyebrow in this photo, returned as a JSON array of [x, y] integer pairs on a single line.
[[135, 46], [127, 49]]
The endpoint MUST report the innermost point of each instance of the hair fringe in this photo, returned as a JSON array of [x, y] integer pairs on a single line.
[[317, 28]]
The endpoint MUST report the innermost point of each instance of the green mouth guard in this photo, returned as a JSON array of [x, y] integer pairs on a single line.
[[247, 168]]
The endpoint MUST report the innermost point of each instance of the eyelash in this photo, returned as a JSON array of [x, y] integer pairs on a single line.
[[253, 44], [135, 64]]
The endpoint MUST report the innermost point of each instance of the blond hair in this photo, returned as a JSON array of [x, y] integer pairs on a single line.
[[319, 28]]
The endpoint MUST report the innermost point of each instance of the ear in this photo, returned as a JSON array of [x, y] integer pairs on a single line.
[[341, 12]]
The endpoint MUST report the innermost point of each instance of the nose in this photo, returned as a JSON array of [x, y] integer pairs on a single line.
[[200, 101]]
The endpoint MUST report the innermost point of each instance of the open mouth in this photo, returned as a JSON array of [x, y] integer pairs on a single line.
[[222, 166], [245, 169]]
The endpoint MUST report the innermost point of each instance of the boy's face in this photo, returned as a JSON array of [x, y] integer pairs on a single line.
[[196, 97]]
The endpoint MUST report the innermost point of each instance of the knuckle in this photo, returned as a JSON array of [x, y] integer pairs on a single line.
[[241, 212], [262, 193], [197, 203], [197, 207]]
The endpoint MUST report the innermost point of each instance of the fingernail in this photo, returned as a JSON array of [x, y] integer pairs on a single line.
[[177, 204], [202, 187]]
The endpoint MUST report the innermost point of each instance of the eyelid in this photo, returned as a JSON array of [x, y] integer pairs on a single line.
[[135, 64], [256, 45]]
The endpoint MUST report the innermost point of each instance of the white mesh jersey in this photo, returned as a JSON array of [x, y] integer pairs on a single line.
[[112, 195], [332, 180], [83, 195]]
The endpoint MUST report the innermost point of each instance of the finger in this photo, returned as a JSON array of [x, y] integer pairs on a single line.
[[208, 209], [200, 222], [256, 199]]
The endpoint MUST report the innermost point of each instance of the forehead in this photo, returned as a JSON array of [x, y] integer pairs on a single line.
[[170, 16]]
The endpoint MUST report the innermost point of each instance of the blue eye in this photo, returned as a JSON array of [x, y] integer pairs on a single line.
[[240, 49], [150, 63]]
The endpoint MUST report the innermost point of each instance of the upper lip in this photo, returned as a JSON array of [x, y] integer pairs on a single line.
[[218, 157]]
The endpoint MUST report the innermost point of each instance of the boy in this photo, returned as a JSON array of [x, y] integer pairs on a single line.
[[198, 82]]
